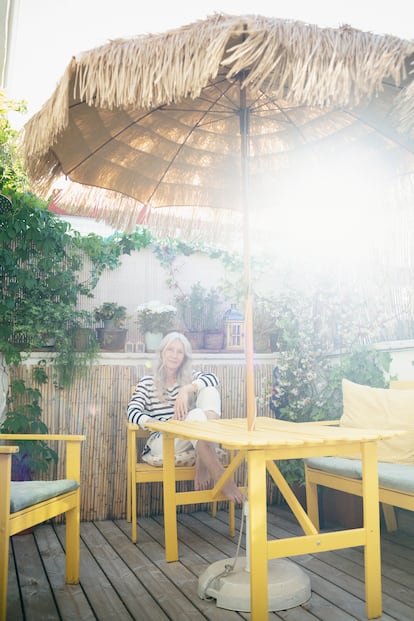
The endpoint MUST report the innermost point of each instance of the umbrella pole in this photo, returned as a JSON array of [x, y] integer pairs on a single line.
[[244, 151]]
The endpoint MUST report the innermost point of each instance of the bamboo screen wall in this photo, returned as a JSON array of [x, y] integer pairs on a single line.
[[95, 405]]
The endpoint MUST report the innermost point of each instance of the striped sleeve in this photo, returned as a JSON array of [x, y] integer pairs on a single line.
[[203, 379], [140, 402]]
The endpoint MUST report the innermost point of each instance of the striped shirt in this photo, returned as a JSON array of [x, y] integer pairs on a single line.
[[146, 404]]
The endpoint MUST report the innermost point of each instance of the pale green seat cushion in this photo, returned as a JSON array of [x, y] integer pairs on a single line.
[[26, 493], [399, 477]]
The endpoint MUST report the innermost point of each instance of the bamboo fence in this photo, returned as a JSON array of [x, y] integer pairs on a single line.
[[95, 405]]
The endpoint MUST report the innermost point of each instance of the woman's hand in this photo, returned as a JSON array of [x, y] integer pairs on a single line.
[[181, 403]]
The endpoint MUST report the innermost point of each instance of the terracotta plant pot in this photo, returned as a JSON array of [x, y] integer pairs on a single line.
[[213, 339], [196, 338]]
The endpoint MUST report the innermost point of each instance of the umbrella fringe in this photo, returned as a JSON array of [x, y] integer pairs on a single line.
[[124, 213]]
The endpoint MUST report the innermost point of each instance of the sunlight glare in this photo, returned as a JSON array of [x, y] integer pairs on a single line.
[[331, 212]]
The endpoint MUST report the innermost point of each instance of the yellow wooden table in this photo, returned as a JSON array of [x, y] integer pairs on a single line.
[[272, 440]]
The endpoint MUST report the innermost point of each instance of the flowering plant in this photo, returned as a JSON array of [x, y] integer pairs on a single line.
[[155, 316]]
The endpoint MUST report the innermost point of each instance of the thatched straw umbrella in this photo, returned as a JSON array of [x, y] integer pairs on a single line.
[[203, 119]]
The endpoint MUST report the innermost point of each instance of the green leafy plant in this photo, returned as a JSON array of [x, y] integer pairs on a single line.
[[112, 312], [191, 308], [39, 286], [40, 265], [200, 309], [213, 316], [24, 416]]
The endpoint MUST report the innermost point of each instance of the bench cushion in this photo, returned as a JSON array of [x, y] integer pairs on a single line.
[[366, 407], [399, 477], [26, 493]]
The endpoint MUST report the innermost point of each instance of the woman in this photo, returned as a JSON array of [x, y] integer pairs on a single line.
[[172, 392]]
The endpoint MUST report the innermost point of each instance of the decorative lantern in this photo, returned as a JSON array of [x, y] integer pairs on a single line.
[[234, 329]]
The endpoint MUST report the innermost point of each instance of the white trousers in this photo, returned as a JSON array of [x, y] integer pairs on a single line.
[[207, 399]]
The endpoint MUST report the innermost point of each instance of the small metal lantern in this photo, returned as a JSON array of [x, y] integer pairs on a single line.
[[234, 329]]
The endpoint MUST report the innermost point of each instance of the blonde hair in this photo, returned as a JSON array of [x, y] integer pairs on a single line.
[[184, 372]]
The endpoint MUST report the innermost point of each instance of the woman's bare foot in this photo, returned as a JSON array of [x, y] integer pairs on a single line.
[[209, 468], [230, 490], [202, 479]]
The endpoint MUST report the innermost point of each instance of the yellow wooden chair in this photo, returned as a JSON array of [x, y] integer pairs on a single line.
[[26, 504], [139, 471]]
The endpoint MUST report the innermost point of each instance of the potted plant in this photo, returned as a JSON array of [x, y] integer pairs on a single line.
[[155, 319], [24, 415], [213, 321], [191, 309], [112, 336], [111, 314]]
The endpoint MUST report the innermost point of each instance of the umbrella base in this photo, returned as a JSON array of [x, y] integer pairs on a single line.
[[288, 585]]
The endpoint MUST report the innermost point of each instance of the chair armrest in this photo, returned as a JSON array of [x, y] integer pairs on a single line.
[[72, 448], [42, 436], [137, 430], [9, 449]]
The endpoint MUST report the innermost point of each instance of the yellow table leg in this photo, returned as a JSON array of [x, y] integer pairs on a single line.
[[370, 499], [258, 535], [170, 504]]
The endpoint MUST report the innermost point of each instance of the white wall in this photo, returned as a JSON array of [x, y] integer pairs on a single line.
[[141, 278]]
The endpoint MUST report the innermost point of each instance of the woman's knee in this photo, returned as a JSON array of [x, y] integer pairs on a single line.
[[209, 399], [197, 414]]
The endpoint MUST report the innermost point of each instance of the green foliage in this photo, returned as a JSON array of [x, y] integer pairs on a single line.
[[11, 170], [191, 307], [213, 316], [40, 287], [106, 253], [111, 311], [200, 309], [310, 366], [24, 415]]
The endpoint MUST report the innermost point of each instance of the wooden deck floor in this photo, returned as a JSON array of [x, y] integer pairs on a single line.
[[123, 581]]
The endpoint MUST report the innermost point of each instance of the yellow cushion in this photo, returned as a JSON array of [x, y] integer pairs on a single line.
[[381, 408]]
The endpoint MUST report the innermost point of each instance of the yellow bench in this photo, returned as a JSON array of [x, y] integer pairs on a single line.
[[396, 480], [26, 504]]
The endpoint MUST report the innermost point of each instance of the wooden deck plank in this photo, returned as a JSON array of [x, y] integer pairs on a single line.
[[152, 538], [15, 607], [350, 578], [103, 599], [209, 548], [170, 600], [70, 598], [123, 581], [323, 589], [350, 597], [35, 591]]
